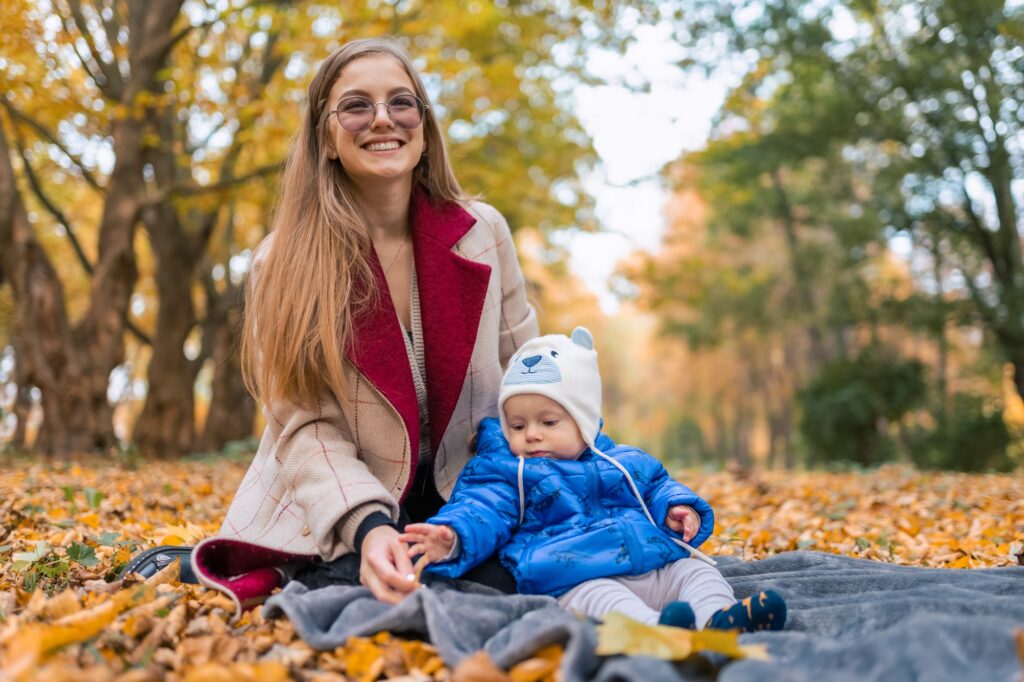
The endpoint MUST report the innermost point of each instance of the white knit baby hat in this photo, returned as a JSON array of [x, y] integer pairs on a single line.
[[562, 368]]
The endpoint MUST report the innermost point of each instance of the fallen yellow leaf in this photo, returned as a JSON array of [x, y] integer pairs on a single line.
[[188, 534], [620, 634]]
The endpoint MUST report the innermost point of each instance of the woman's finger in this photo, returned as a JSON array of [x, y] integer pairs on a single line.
[[369, 578], [391, 582], [404, 568], [393, 567]]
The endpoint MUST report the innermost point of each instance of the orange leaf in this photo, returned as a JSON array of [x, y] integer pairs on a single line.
[[478, 668], [363, 659], [962, 562], [92, 520], [542, 666], [238, 672]]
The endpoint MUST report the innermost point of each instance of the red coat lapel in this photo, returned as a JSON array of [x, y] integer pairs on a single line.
[[379, 353], [452, 292]]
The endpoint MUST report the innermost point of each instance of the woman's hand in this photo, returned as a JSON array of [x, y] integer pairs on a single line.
[[384, 565], [432, 541], [683, 520]]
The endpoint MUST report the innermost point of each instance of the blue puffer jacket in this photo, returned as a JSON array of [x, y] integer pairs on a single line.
[[581, 522]]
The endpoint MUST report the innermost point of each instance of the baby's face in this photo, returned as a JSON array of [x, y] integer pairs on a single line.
[[540, 427]]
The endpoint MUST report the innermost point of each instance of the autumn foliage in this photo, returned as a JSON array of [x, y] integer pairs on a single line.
[[67, 531]]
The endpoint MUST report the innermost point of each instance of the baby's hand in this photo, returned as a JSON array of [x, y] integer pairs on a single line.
[[433, 542], [683, 520]]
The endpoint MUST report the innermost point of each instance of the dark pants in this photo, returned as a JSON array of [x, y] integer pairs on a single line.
[[488, 576], [422, 502]]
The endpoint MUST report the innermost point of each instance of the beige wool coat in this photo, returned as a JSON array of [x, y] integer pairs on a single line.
[[320, 472]]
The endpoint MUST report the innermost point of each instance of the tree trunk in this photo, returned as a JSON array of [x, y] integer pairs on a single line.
[[232, 409], [43, 337], [166, 426], [941, 342], [22, 400]]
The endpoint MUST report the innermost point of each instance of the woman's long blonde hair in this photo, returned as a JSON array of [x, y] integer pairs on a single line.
[[314, 276]]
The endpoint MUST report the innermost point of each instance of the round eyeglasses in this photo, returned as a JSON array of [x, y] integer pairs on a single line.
[[357, 113]]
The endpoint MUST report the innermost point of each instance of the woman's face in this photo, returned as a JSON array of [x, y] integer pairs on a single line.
[[385, 151]]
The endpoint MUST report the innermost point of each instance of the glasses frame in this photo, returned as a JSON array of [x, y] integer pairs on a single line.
[[420, 105]]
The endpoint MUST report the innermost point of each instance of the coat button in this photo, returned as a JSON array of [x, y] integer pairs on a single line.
[[305, 530]]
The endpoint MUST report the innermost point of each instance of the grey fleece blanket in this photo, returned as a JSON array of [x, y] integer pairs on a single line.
[[849, 619]]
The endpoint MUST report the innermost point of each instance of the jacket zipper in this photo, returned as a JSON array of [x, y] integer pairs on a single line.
[[594, 487]]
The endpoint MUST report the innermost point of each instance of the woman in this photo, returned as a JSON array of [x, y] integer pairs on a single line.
[[381, 311]]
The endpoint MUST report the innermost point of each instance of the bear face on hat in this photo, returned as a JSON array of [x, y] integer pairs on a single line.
[[562, 368]]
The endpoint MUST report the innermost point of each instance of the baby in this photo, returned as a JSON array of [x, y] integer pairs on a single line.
[[600, 526]]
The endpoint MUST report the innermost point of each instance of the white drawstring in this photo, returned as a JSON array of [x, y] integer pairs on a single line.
[[522, 492], [639, 498], [693, 551]]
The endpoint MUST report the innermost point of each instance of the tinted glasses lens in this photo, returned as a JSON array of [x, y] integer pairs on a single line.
[[355, 114], [405, 111]]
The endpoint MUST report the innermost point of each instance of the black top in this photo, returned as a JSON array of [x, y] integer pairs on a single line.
[[420, 504]]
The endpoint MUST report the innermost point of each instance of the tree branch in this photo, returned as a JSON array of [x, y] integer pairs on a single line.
[[999, 171], [109, 82], [984, 237], [58, 215], [176, 38], [52, 139], [139, 335], [220, 185], [97, 78], [271, 63], [111, 29], [111, 73], [191, 149]]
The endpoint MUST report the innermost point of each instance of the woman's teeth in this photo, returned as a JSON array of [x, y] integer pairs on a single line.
[[382, 146]]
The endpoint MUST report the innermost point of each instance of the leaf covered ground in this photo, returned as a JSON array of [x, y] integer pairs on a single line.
[[67, 529]]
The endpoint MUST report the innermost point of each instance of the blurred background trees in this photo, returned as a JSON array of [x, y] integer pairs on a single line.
[[140, 145], [860, 259], [840, 277]]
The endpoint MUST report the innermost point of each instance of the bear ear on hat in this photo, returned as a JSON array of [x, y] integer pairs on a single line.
[[581, 336]]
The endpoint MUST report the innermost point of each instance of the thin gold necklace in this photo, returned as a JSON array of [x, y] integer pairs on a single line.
[[398, 253]]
